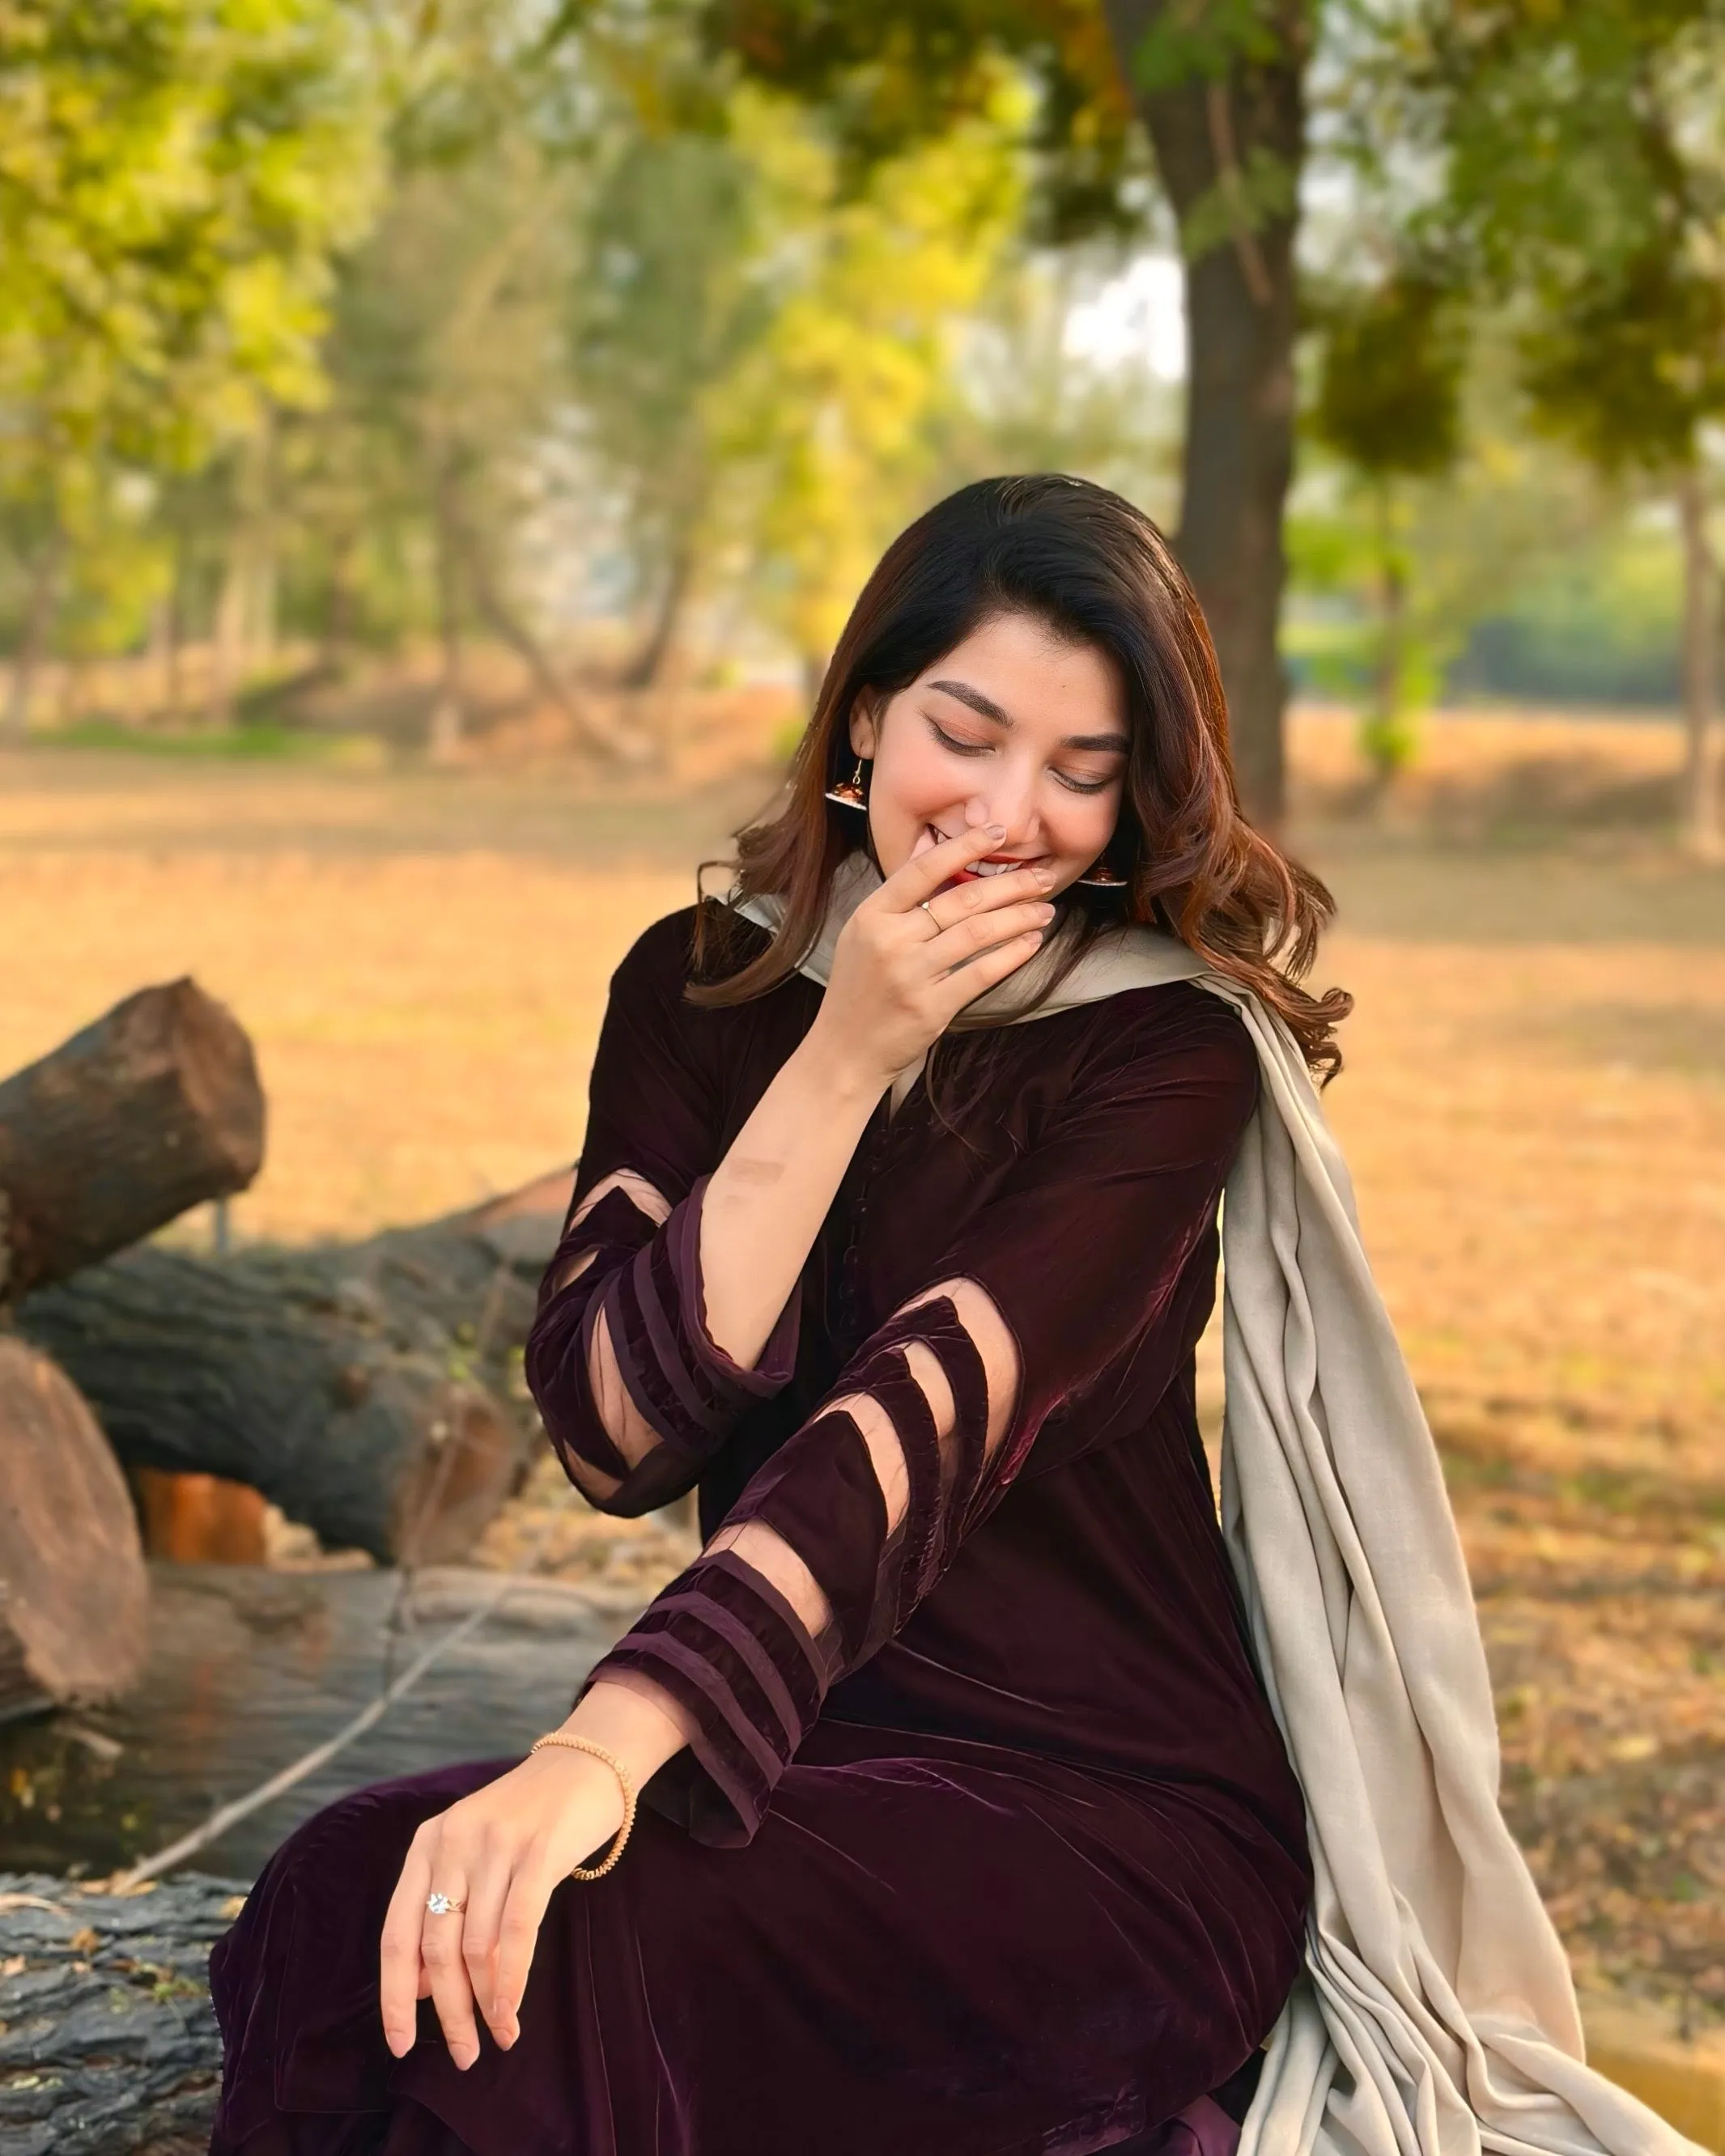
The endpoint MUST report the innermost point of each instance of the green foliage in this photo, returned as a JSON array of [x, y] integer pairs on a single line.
[[173, 176], [1627, 368], [1208, 41], [1389, 393]]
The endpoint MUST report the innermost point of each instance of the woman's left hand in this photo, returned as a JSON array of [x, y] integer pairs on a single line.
[[500, 1852]]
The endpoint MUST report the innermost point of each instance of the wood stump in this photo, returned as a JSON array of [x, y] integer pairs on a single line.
[[73, 1591], [154, 1108]]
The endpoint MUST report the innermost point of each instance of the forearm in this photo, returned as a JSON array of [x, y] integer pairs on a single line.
[[766, 1199], [636, 1722]]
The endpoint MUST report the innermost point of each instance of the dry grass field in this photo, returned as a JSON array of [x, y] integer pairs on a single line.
[[1534, 1108]]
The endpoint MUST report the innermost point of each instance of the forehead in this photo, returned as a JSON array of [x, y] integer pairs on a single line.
[[1037, 678]]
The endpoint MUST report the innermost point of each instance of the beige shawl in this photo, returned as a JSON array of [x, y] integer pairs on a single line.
[[1436, 2014]]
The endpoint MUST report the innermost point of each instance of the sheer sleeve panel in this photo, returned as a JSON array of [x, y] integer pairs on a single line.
[[841, 1534], [635, 1394]]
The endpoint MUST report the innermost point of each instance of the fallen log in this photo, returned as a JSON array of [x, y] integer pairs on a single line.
[[108, 2047], [73, 1594], [153, 1108], [371, 1390]]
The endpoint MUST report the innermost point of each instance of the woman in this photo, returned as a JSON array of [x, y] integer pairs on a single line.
[[967, 1828]]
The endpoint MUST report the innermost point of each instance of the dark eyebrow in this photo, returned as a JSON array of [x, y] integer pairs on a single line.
[[987, 708], [976, 700]]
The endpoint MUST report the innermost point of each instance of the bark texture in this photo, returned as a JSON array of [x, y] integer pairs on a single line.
[[153, 1108], [73, 1597], [367, 1389], [1211, 139], [108, 2047]]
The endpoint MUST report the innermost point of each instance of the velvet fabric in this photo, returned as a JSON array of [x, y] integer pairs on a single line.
[[1003, 1856]]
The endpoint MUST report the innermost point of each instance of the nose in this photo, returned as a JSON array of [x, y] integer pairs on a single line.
[[1009, 802]]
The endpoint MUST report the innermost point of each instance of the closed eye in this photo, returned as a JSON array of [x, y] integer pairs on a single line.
[[982, 748], [958, 748]]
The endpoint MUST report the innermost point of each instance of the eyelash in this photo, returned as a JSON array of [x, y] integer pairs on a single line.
[[980, 748]]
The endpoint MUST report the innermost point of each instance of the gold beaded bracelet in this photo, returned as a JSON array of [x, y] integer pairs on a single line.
[[628, 1787]]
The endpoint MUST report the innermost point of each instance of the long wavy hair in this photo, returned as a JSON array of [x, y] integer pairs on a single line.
[[1096, 572]]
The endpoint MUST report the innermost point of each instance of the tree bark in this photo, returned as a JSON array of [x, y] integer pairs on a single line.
[[153, 1108], [1702, 807], [1241, 315], [366, 1390], [73, 1592]]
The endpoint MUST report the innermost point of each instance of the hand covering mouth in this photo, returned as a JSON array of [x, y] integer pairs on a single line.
[[989, 864]]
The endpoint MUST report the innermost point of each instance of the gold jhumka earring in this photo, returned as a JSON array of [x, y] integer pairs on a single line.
[[848, 792]]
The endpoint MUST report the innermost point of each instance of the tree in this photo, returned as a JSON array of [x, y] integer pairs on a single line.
[[1220, 88], [1389, 402], [1583, 156], [174, 177], [830, 425]]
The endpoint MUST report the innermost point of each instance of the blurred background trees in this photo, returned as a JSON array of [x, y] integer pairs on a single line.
[[344, 341]]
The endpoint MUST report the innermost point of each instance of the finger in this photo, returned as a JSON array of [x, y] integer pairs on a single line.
[[401, 1974], [988, 894], [923, 873], [487, 1891], [440, 1948], [530, 1892], [986, 931], [966, 984]]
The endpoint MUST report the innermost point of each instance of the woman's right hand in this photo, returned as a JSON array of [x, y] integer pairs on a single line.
[[902, 971]]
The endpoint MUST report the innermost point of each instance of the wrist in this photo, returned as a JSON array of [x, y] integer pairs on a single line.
[[589, 1780], [842, 1079]]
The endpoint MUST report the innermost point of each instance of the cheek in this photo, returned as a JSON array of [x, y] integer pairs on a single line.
[[1081, 824], [916, 780]]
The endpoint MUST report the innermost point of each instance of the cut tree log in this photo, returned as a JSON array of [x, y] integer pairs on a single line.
[[108, 2047], [154, 1108], [72, 1590], [371, 1390]]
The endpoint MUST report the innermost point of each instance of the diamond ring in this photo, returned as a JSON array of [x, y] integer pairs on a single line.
[[440, 1905]]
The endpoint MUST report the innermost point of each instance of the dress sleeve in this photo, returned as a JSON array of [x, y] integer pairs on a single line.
[[635, 1394], [1072, 1269]]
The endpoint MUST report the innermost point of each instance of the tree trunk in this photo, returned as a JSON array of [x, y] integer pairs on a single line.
[[227, 652], [39, 610], [364, 1388], [445, 726], [73, 1592], [506, 623], [1702, 808], [648, 668], [338, 603], [154, 1108], [108, 2047], [1212, 141]]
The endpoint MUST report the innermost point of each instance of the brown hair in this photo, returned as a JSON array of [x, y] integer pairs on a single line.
[[1097, 571]]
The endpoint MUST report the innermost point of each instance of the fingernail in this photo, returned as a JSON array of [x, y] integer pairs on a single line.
[[995, 830], [464, 2055], [1045, 875], [1045, 913], [399, 2040]]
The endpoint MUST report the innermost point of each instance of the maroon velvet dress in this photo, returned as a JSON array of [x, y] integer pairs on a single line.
[[1003, 1854]]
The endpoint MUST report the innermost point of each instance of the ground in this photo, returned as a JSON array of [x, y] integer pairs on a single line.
[[1533, 1106]]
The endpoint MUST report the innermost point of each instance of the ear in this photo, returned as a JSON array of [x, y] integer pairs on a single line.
[[865, 724]]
